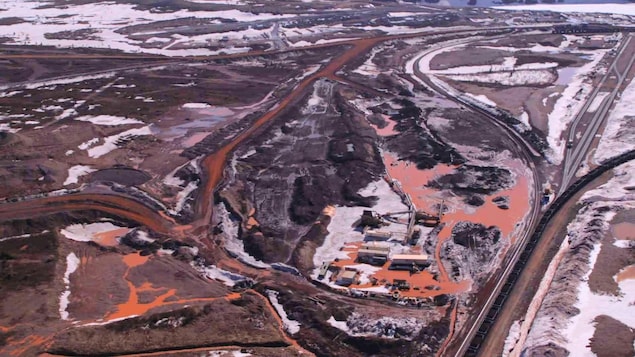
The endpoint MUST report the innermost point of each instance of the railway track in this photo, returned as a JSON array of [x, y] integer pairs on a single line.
[[494, 310]]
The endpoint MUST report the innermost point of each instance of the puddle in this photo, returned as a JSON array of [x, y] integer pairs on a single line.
[[389, 129], [413, 182], [195, 139], [626, 273], [624, 231], [565, 75], [109, 238]]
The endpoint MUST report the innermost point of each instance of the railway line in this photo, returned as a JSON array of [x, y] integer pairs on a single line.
[[495, 309], [529, 154]]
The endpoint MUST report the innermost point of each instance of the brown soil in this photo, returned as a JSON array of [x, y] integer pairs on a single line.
[[468, 56], [217, 323], [612, 338], [610, 261]]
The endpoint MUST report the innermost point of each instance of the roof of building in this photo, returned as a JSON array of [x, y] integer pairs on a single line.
[[410, 257], [373, 252], [348, 274]]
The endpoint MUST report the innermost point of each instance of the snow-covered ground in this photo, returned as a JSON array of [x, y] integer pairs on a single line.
[[616, 7], [232, 244], [74, 172], [108, 120], [291, 326], [72, 263], [619, 134], [110, 143], [101, 22], [91, 231], [196, 105], [570, 102], [342, 227], [597, 101], [215, 273]]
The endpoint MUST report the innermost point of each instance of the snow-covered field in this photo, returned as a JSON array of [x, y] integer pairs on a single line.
[[619, 134], [570, 102], [108, 120], [616, 7], [102, 24], [111, 143]]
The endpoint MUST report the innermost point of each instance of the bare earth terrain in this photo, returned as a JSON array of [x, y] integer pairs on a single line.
[[286, 178]]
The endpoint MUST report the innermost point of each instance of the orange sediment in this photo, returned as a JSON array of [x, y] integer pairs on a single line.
[[412, 181], [419, 280], [451, 332], [109, 238], [624, 230], [626, 273], [132, 307], [20, 347], [213, 164]]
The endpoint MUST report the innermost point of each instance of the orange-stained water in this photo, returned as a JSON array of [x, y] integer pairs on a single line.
[[388, 129], [419, 280], [109, 238], [135, 259], [133, 307], [624, 230], [626, 273], [412, 181]]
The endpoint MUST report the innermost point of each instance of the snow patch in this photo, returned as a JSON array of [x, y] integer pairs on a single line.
[[72, 263], [619, 134], [111, 142], [74, 172], [291, 326], [232, 244], [88, 232], [108, 120]]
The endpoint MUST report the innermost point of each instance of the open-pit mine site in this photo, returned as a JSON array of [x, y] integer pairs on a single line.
[[316, 178]]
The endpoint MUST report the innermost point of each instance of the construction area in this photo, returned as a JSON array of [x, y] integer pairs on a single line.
[[391, 260]]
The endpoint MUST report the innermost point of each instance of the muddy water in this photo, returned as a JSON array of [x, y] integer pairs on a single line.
[[134, 307], [109, 238], [565, 75], [626, 273], [413, 182], [624, 231], [195, 138], [388, 129]]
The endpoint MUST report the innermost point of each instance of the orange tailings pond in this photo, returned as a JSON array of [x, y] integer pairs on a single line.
[[133, 307], [413, 182]]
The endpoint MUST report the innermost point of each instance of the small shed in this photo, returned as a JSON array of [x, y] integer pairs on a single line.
[[346, 277]]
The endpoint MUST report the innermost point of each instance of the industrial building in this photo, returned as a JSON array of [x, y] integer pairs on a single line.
[[373, 234], [373, 253], [346, 277]]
